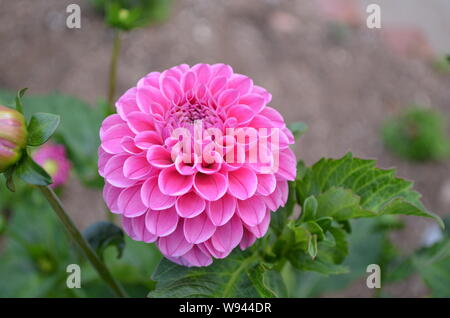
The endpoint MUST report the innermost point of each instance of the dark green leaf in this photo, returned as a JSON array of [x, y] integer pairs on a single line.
[[41, 128], [103, 234], [30, 172], [238, 275], [351, 187], [9, 176]]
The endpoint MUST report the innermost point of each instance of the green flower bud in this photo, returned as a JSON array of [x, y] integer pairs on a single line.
[[13, 137]]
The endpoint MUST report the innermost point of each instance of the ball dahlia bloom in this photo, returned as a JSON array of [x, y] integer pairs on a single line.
[[195, 161], [54, 160]]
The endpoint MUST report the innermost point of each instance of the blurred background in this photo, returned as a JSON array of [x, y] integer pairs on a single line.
[[322, 64]]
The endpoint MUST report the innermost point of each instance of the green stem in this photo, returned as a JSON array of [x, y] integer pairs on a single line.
[[78, 238], [113, 70]]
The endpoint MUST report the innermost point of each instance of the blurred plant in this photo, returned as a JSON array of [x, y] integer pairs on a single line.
[[417, 134], [125, 15], [442, 64], [53, 159]]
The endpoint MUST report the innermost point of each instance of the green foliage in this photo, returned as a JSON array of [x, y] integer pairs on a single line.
[[298, 129], [103, 234], [129, 14], [41, 128], [32, 173], [238, 275], [417, 134]]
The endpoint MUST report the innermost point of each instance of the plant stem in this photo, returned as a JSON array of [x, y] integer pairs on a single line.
[[78, 238], [113, 70]]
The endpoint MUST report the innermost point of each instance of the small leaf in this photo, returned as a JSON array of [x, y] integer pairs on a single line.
[[312, 246], [9, 175], [41, 128], [298, 129], [103, 234], [19, 104], [309, 209], [30, 172]]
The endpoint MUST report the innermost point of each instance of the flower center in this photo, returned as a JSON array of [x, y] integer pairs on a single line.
[[187, 114], [51, 166]]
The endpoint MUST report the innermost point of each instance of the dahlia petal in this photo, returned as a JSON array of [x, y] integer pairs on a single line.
[[221, 211], [217, 85], [128, 228], [113, 172], [266, 184], [172, 183], [129, 146], [247, 239], [228, 236], [151, 79], [260, 121], [127, 103], [211, 187], [198, 229], [188, 81], [242, 183], [242, 83], [130, 203], [161, 223], [175, 244], [195, 257], [288, 167], [260, 229], [138, 122], [221, 69], [262, 92], [203, 72], [159, 157], [242, 113], [147, 95], [228, 97], [103, 158], [171, 89], [110, 195], [255, 102], [190, 205], [146, 139], [252, 210], [140, 231], [110, 121], [112, 137], [274, 116], [153, 198], [213, 251], [136, 167], [184, 167]]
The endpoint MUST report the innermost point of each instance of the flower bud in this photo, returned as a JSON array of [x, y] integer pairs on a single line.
[[13, 137]]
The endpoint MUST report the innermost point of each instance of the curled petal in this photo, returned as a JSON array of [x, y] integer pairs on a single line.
[[139, 122], [211, 187], [196, 257], [159, 157], [136, 167], [146, 139], [112, 137], [242, 183], [130, 203], [140, 231], [260, 229], [153, 198], [266, 184], [228, 236], [161, 223], [198, 229], [110, 195], [172, 183], [247, 239], [175, 245], [252, 210], [113, 172], [190, 205], [221, 211]]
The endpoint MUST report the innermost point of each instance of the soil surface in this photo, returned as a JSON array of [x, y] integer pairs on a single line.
[[341, 80]]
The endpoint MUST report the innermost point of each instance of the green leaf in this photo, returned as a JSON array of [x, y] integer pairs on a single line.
[[19, 95], [309, 209], [238, 275], [298, 129], [41, 128], [103, 234], [312, 246], [9, 176], [350, 187], [30, 172]]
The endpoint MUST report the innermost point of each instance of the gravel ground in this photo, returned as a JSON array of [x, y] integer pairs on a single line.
[[342, 81]]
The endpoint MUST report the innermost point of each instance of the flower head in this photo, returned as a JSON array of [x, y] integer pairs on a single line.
[[13, 137], [195, 161], [54, 160]]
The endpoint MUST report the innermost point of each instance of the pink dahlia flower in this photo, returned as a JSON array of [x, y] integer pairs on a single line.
[[53, 159], [191, 162]]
